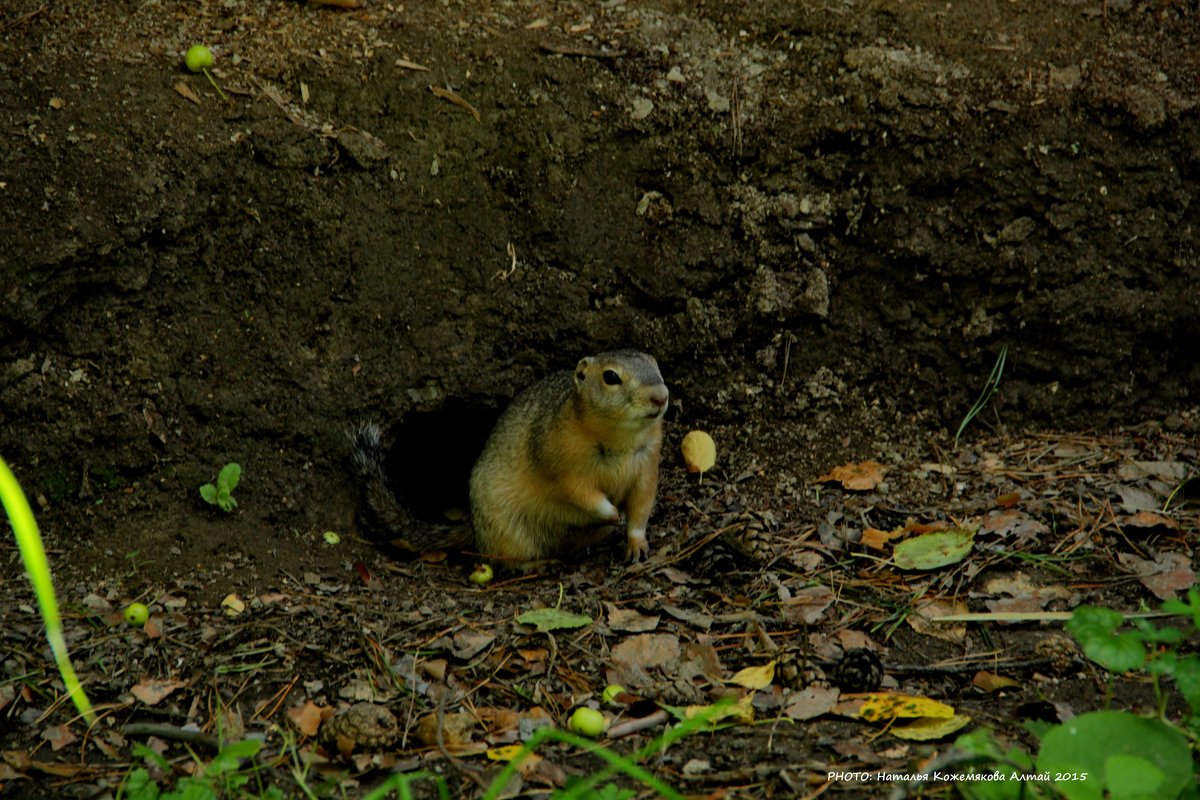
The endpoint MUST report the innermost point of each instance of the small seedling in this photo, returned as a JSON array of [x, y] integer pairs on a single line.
[[222, 494], [990, 388]]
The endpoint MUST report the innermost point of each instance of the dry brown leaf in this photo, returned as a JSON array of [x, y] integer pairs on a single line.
[[811, 702], [1013, 523], [1165, 576], [919, 619], [1149, 519], [456, 99], [154, 691], [877, 539], [808, 604], [456, 729], [991, 682], [647, 651], [628, 620], [59, 737], [1008, 499], [185, 91], [307, 718], [404, 63], [860, 477], [468, 644]]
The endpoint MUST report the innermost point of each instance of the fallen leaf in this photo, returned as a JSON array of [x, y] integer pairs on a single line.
[[506, 753], [1015, 524], [456, 729], [57, 103], [699, 452], [877, 539], [811, 702], [884, 706], [758, 677], [1008, 499], [1134, 499], [863, 476], [934, 550], [306, 718], [404, 63], [628, 620], [1149, 519], [807, 605], [920, 619], [991, 682], [697, 619], [233, 605], [741, 711], [154, 690], [1165, 576], [552, 619], [59, 737], [927, 730], [467, 643], [185, 91], [454, 98], [647, 650]]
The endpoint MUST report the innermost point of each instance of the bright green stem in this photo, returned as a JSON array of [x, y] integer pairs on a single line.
[[33, 554], [213, 81]]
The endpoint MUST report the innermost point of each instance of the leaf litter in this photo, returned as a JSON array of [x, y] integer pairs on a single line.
[[417, 665]]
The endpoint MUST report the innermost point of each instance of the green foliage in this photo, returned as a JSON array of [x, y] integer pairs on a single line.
[[989, 388], [223, 777], [221, 495], [1118, 753], [1144, 646], [1108, 754]]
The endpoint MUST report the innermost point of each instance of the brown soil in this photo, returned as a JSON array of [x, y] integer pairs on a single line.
[[826, 220]]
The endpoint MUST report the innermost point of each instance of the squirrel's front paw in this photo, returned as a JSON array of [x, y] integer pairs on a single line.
[[636, 547], [606, 511]]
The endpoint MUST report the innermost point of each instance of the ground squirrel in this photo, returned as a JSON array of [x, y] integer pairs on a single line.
[[571, 454]]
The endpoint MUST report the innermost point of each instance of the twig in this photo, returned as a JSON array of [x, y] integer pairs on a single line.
[[164, 731], [21, 20]]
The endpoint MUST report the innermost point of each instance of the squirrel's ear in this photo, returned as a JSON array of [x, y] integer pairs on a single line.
[[581, 369]]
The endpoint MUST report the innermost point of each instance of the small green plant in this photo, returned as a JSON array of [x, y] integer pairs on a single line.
[[1145, 646], [221, 494], [1109, 753], [222, 777], [990, 388]]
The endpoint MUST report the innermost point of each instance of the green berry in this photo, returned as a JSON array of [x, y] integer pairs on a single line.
[[136, 614], [610, 694], [198, 58], [482, 575], [587, 721]]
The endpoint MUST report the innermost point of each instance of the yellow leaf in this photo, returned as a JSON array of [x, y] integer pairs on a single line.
[[233, 605], [884, 706], [758, 677], [927, 729], [506, 753], [741, 711], [699, 452]]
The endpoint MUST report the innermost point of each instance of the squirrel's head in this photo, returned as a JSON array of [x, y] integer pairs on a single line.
[[625, 383]]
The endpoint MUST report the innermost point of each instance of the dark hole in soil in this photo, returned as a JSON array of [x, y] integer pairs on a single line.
[[429, 464]]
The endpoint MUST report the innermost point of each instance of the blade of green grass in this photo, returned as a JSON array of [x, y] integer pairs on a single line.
[[990, 388], [33, 554]]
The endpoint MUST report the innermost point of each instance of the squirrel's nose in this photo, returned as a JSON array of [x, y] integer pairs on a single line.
[[659, 399]]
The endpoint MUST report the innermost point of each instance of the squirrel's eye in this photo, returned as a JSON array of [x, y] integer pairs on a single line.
[[611, 377]]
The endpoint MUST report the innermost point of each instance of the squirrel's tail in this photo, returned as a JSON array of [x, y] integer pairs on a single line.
[[387, 519]]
